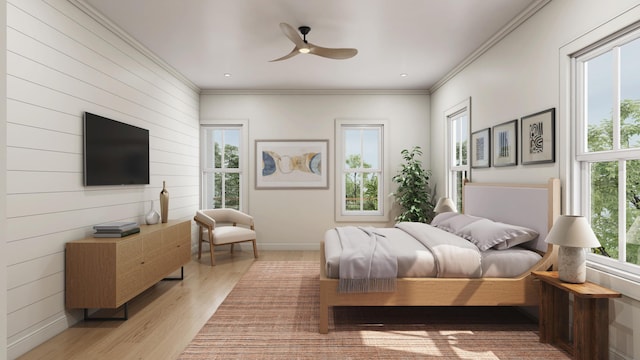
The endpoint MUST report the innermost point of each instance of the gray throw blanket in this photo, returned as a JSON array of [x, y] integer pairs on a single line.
[[367, 263]]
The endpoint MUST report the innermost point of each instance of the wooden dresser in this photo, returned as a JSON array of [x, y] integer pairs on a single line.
[[108, 272]]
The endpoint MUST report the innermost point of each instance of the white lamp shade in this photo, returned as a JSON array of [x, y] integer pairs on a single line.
[[572, 231], [444, 205]]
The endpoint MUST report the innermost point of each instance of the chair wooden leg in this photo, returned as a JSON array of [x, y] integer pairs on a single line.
[[231, 248], [211, 248], [255, 249], [199, 242], [213, 261]]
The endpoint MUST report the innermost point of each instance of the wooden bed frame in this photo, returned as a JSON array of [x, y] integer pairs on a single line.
[[524, 205]]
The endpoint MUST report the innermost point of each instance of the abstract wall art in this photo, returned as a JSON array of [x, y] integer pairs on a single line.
[[292, 164], [505, 144], [538, 137], [481, 148]]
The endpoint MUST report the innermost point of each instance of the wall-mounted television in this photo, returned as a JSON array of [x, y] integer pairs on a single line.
[[115, 153]]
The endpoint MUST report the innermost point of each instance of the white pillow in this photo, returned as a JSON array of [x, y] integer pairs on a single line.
[[486, 234], [454, 223], [442, 217]]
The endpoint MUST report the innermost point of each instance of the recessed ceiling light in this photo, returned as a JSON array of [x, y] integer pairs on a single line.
[[227, 75], [404, 74]]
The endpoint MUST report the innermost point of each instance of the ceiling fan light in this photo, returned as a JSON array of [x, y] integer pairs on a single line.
[[304, 50]]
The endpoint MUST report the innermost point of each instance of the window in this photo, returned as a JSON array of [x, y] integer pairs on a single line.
[[223, 163], [607, 146], [360, 148], [458, 151]]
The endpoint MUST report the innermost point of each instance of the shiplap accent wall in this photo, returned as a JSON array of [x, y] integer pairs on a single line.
[[60, 63], [3, 183]]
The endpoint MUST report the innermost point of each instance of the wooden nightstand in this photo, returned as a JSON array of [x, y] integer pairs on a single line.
[[590, 338]]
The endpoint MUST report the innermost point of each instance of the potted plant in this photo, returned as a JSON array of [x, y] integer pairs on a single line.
[[413, 194]]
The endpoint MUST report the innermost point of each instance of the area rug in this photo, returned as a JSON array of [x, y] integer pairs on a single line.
[[272, 313]]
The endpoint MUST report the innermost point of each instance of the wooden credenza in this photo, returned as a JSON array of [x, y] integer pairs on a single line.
[[108, 272]]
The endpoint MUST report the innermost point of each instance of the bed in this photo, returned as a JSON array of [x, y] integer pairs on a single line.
[[534, 206]]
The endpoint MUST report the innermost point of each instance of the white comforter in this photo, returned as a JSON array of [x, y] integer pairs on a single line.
[[457, 256], [453, 255]]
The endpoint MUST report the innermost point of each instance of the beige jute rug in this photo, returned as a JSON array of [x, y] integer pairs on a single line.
[[272, 313]]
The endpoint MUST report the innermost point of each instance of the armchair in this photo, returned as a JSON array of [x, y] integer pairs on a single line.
[[224, 227]]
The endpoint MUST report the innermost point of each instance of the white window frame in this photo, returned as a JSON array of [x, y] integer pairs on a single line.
[[572, 172], [381, 215], [451, 168], [243, 125]]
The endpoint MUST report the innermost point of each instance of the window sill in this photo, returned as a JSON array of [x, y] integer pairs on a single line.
[[623, 282]]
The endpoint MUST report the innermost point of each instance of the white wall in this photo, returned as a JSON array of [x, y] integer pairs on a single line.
[[60, 63], [297, 219], [521, 75]]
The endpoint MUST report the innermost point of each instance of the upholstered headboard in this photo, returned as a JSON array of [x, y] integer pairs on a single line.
[[535, 206]]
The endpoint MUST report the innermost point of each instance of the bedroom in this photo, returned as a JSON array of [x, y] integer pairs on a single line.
[[500, 83]]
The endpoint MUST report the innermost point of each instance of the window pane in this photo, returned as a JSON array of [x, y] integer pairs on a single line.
[[370, 192], [213, 191], [232, 149], [599, 97], [210, 145], [604, 205], [464, 134], [370, 148], [217, 148], [352, 148], [630, 95], [232, 191], [457, 131], [353, 183], [633, 211], [459, 184]]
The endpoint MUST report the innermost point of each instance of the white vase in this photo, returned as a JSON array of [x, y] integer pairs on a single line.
[[152, 216]]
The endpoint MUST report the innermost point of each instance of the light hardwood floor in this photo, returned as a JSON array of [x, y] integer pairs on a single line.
[[164, 319]]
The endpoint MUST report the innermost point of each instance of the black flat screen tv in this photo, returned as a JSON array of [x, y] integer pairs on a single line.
[[115, 153]]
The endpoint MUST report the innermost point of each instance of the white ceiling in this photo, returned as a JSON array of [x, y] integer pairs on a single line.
[[204, 39]]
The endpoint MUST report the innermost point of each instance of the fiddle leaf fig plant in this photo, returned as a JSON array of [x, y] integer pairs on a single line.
[[414, 193]]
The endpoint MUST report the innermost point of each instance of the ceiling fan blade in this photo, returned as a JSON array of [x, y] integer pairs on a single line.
[[292, 34], [293, 53], [331, 53]]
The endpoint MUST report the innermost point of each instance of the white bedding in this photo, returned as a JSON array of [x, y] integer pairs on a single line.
[[416, 260]]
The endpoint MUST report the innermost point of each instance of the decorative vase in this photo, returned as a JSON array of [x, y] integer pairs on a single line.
[[152, 216], [164, 203]]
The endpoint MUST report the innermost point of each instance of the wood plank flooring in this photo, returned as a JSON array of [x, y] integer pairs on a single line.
[[164, 319]]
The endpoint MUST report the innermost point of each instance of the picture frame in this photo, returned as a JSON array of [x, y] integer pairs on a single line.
[[505, 144], [292, 164], [481, 148], [537, 132]]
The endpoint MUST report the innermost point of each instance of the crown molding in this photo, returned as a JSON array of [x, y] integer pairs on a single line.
[[118, 31], [312, 92], [496, 38]]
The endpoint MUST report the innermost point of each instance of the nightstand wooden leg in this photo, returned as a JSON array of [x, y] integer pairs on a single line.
[[591, 328]]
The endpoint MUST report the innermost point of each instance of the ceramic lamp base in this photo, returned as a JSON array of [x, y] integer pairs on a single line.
[[572, 264]]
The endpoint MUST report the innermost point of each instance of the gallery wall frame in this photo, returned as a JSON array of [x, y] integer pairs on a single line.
[[481, 148], [538, 137], [505, 144], [292, 164]]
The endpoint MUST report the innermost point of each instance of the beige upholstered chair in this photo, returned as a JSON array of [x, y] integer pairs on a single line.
[[223, 227]]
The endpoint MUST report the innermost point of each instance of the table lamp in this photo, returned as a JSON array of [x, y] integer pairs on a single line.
[[444, 205], [573, 234]]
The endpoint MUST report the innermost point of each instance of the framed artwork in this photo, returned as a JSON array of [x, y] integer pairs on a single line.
[[292, 164], [505, 144], [538, 137], [481, 148]]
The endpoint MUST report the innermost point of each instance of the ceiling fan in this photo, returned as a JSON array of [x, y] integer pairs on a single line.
[[302, 46]]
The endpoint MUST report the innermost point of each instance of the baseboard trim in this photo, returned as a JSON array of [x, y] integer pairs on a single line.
[[40, 335]]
